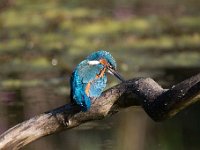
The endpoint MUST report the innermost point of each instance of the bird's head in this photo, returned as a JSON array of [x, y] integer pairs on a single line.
[[104, 58]]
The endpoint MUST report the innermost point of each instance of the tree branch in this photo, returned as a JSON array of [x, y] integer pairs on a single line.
[[159, 104]]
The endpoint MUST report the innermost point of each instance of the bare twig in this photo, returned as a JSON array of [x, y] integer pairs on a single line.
[[159, 104]]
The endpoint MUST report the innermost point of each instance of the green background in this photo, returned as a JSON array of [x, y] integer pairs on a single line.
[[41, 41]]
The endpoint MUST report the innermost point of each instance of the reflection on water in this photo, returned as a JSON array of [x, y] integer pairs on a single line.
[[37, 57]]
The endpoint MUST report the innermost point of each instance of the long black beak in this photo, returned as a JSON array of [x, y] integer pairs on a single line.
[[116, 74]]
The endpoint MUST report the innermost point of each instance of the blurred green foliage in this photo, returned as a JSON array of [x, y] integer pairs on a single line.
[[43, 40], [53, 27]]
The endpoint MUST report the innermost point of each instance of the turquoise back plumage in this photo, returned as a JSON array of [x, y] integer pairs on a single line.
[[84, 74]]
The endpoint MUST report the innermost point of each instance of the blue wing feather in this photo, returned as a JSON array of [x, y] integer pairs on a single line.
[[82, 75], [78, 94]]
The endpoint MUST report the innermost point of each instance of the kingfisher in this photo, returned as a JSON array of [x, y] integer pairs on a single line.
[[89, 78]]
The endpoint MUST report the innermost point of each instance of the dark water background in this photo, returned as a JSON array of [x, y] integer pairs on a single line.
[[42, 41]]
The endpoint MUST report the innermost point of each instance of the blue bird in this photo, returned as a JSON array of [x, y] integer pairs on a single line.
[[89, 78]]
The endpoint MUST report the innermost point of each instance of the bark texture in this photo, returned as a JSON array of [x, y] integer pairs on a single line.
[[159, 104]]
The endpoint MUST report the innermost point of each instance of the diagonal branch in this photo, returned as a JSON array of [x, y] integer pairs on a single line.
[[159, 104]]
